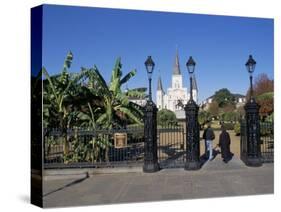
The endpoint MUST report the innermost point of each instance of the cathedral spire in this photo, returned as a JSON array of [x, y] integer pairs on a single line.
[[159, 85], [194, 83], [176, 69]]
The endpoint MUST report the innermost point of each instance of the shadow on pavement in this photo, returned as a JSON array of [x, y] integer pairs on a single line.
[[68, 185], [229, 158], [204, 158]]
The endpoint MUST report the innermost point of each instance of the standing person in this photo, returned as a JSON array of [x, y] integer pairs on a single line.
[[209, 136], [224, 144]]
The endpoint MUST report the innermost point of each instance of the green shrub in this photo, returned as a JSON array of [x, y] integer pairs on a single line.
[[237, 128], [270, 118], [166, 117], [228, 126], [229, 116], [266, 128]]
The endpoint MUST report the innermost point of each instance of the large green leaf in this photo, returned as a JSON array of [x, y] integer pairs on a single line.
[[128, 76], [136, 93], [129, 114], [122, 98], [68, 60], [51, 85], [101, 81], [83, 116], [102, 119], [116, 72]]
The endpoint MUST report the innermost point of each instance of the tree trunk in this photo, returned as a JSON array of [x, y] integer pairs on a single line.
[[64, 136], [106, 149], [109, 112]]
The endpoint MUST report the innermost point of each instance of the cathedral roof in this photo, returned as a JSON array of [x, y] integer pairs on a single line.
[[159, 85], [176, 68]]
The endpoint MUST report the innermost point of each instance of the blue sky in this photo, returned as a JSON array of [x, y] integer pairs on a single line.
[[220, 45]]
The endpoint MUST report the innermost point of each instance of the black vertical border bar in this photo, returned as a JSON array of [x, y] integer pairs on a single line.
[[36, 106]]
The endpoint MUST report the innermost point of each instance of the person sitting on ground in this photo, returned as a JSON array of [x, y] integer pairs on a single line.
[[224, 144]]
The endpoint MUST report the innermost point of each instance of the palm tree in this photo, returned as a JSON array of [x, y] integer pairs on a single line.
[[116, 106], [113, 107], [68, 102], [58, 94], [88, 116]]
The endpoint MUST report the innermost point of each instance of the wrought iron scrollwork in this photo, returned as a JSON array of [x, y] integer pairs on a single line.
[[253, 154], [150, 139], [192, 136]]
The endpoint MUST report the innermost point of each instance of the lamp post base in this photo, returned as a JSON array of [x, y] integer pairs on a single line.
[[253, 162], [151, 167], [195, 165]]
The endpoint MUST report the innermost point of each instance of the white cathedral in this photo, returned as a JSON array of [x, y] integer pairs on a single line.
[[177, 95]]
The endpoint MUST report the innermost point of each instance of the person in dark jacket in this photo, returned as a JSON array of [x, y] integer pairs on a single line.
[[224, 144], [209, 136], [205, 142]]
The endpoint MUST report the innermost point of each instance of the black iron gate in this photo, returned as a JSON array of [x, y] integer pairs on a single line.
[[171, 146], [266, 141]]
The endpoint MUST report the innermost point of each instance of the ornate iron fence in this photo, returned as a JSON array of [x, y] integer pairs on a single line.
[[266, 141], [93, 148], [111, 148]]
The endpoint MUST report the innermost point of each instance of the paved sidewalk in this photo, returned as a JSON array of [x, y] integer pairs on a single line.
[[215, 179]]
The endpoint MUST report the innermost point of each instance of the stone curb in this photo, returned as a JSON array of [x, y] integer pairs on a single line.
[[72, 173]]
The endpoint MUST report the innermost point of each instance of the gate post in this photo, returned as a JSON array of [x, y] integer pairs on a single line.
[[150, 138], [192, 136], [253, 153], [192, 126]]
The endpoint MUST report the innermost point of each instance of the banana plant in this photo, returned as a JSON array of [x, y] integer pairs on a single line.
[[88, 119], [137, 92], [58, 92], [116, 104]]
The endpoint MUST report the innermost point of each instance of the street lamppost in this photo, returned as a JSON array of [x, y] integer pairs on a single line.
[[150, 126], [252, 155], [192, 126], [251, 65], [190, 67], [149, 65]]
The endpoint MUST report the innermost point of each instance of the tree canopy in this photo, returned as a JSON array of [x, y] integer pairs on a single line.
[[263, 88], [224, 97], [214, 108], [165, 117]]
